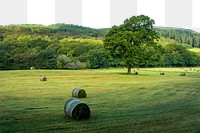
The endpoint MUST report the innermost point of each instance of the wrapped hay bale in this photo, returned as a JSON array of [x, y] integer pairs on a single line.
[[79, 93], [135, 73], [32, 68], [76, 109], [162, 73], [43, 78], [182, 74]]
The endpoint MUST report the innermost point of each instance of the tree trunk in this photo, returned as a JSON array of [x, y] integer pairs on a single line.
[[129, 69]]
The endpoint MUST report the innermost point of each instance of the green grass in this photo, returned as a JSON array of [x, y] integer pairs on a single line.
[[147, 102], [197, 50]]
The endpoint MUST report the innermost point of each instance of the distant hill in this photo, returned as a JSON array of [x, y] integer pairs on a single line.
[[63, 46], [61, 30], [180, 35]]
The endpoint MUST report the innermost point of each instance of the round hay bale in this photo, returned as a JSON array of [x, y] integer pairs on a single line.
[[76, 109], [162, 73], [43, 78], [135, 73], [32, 68], [79, 93], [182, 74]]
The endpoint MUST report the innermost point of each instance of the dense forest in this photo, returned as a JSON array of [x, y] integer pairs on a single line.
[[59, 31], [182, 36], [63, 46]]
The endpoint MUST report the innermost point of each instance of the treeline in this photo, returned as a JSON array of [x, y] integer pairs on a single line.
[[59, 31], [44, 52], [175, 55], [62, 46], [182, 36]]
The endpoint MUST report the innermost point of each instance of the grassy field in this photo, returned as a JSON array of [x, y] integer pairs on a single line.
[[197, 50], [147, 102]]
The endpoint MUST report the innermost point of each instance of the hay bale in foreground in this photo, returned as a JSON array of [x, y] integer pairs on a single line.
[[162, 73], [182, 74], [76, 109], [79, 93], [43, 78]]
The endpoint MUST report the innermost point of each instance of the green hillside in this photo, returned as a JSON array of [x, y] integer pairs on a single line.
[[196, 50], [182, 36], [59, 30], [63, 46]]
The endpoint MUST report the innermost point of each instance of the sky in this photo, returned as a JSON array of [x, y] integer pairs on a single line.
[[100, 13]]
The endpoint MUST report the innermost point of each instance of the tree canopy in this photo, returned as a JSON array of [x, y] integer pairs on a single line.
[[63, 46], [181, 36], [132, 41]]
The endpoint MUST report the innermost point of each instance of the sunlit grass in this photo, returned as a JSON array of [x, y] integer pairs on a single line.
[[197, 50], [147, 102]]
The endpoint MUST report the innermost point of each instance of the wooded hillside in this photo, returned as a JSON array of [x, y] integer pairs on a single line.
[[182, 36], [63, 46]]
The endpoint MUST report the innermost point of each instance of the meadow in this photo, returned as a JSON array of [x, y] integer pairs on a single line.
[[148, 102], [197, 50]]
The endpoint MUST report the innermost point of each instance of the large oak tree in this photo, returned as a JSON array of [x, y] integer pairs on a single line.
[[132, 41]]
